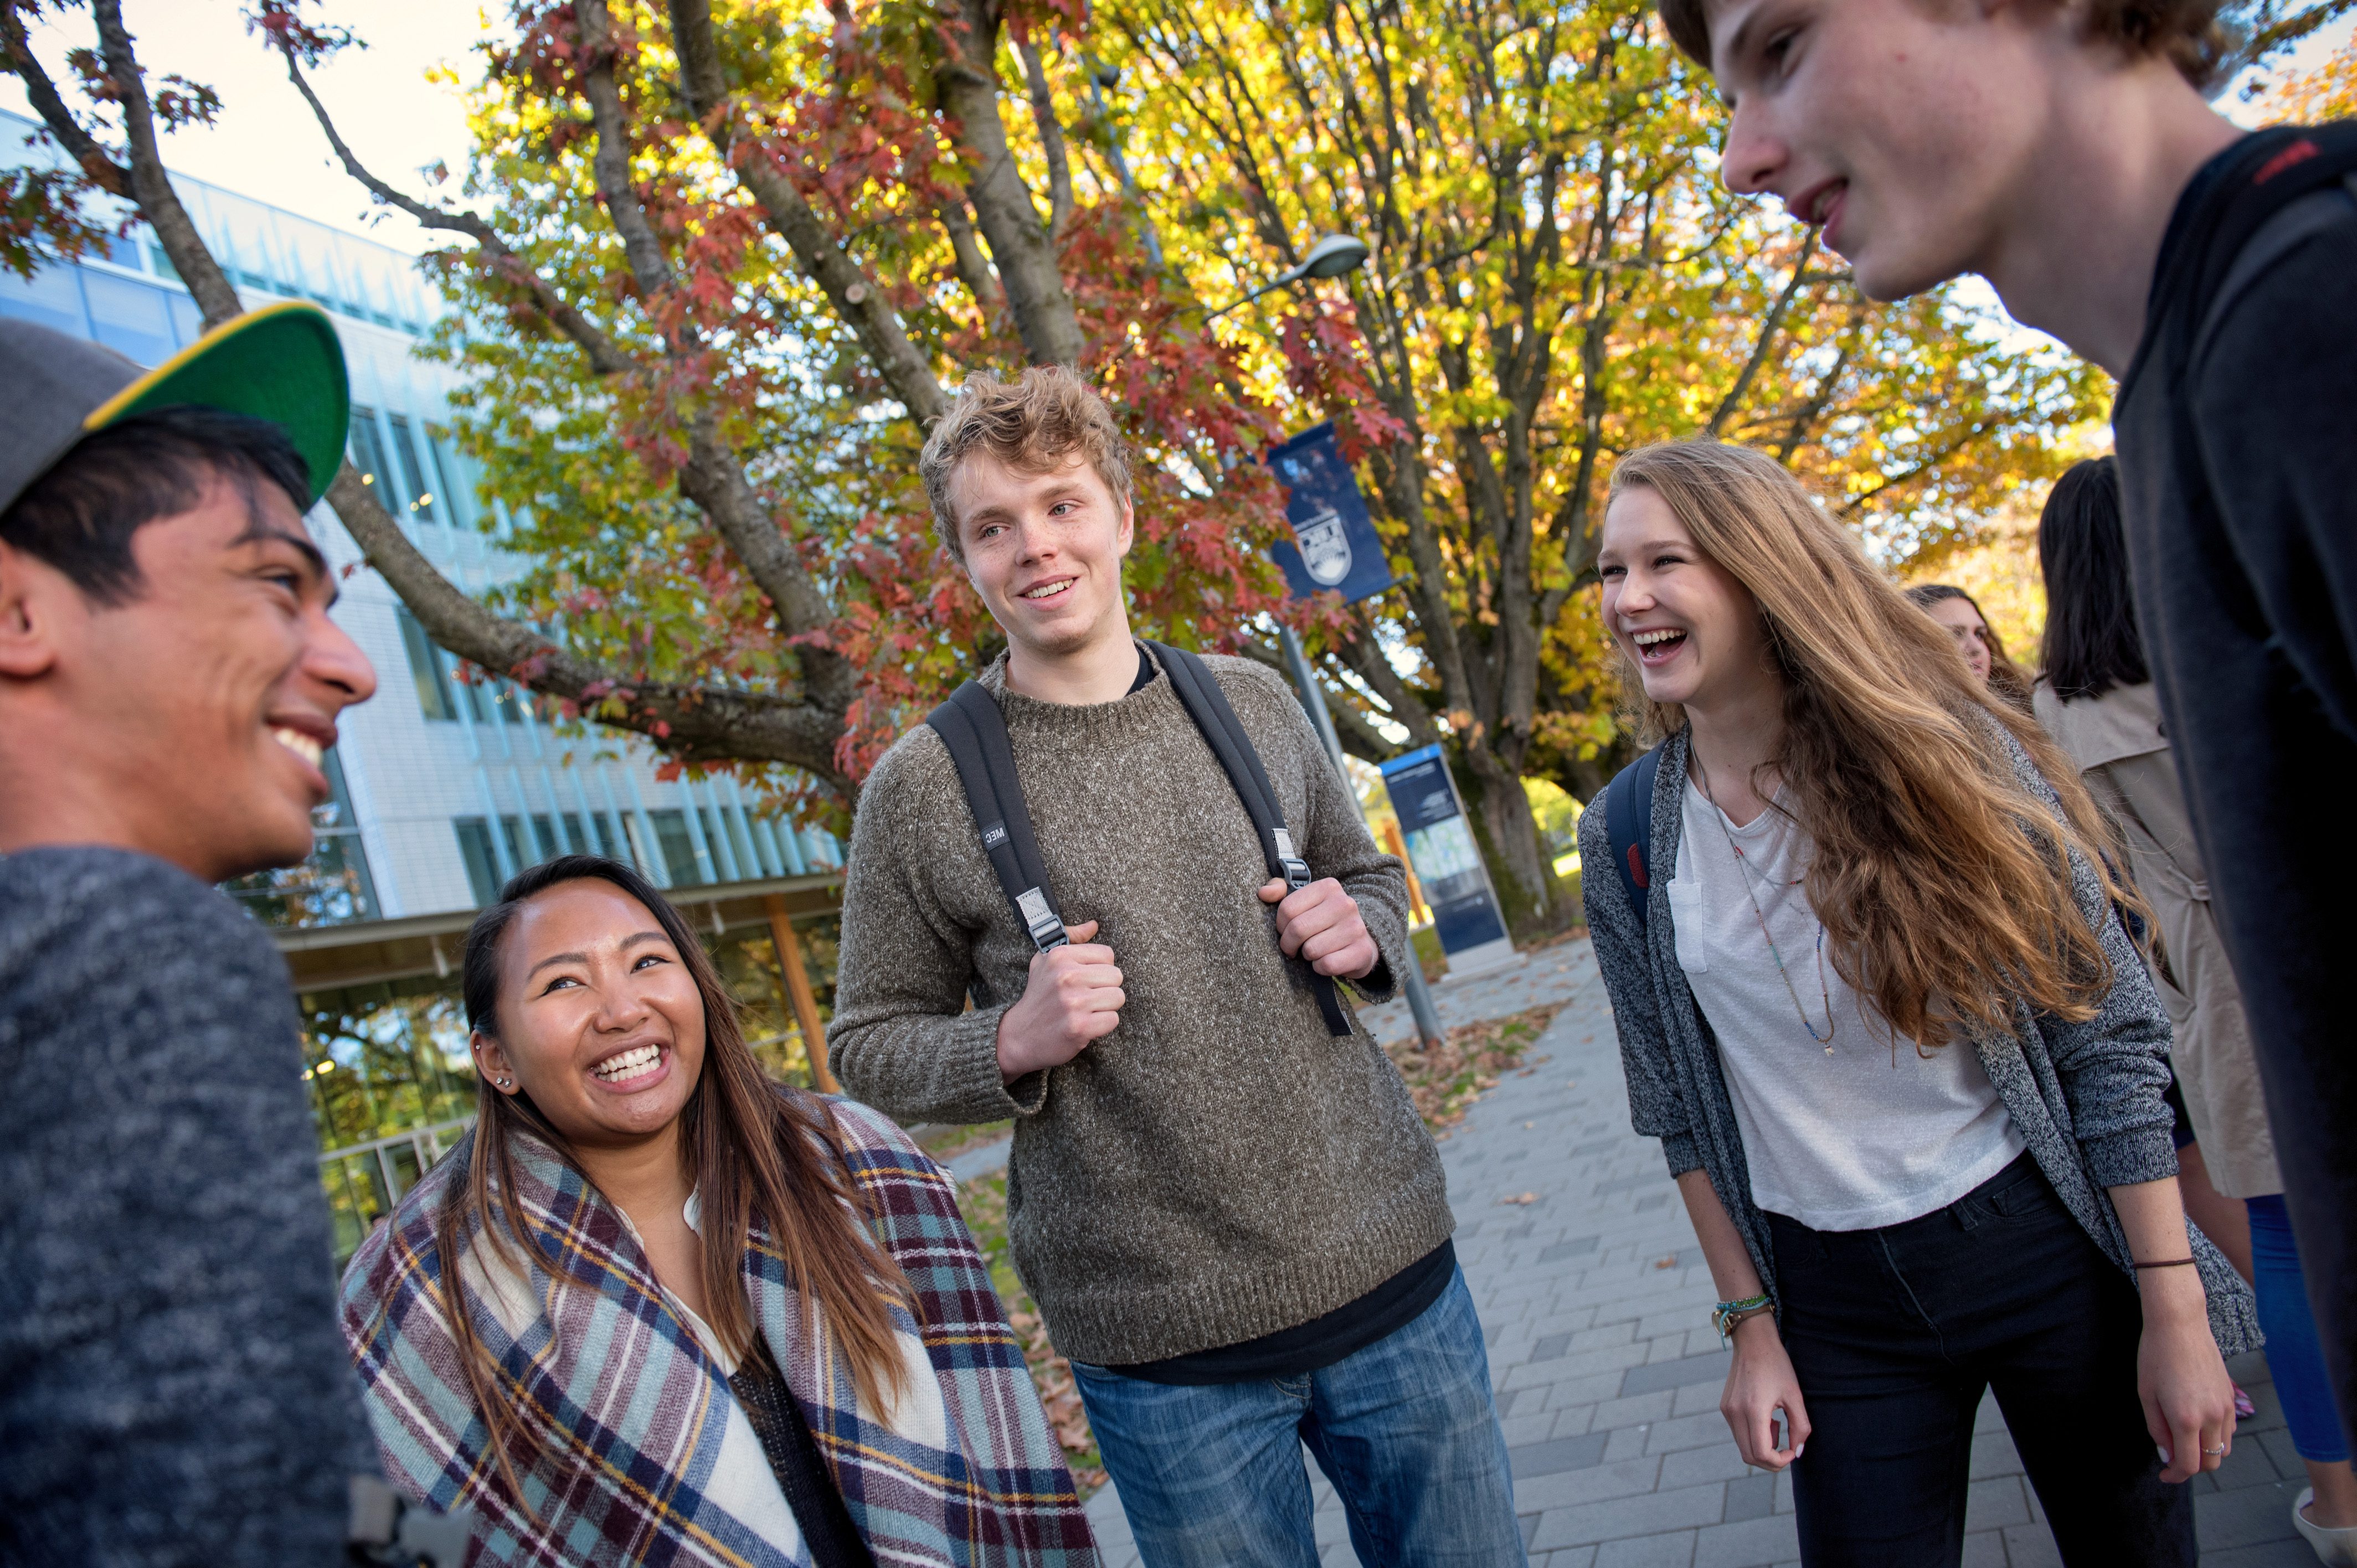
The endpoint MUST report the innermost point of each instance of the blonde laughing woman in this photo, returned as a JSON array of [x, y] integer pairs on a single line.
[[1903, 1062]]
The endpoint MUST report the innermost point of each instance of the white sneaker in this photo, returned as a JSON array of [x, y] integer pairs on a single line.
[[2333, 1547]]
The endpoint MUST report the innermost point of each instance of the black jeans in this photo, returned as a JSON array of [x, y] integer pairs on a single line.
[[1895, 1333]]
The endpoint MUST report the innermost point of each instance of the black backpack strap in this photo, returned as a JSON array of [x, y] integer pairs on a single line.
[[1629, 826], [973, 729], [2269, 171], [1198, 692]]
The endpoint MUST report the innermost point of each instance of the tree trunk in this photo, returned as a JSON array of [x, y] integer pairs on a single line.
[[1528, 893]]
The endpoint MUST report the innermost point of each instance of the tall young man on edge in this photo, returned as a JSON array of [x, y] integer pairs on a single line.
[[173, 1389], [2063, 152], [1234, 1222]]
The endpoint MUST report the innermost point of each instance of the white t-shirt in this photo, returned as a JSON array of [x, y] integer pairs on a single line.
[[1841, 1141]]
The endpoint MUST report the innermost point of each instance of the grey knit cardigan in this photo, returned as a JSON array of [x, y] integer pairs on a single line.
[[2087, 1097]]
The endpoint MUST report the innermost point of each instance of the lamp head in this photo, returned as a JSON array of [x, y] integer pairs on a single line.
[[1332, 256]]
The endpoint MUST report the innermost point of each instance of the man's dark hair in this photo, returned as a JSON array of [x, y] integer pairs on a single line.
[[79, 516], [2092, 641], [2187, 32]]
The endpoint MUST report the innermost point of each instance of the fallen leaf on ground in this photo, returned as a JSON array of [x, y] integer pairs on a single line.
[[1521, 1197], [1668, 1263]]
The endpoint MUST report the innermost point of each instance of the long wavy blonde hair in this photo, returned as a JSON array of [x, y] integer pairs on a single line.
[[1942, 878]]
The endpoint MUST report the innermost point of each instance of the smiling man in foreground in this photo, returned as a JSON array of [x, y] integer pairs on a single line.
[[1221, 1196], [172, 1387]]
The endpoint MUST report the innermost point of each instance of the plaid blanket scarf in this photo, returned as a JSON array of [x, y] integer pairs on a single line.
[[646, 1458]]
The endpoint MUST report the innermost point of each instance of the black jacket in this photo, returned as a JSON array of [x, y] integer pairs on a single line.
[[2237, 436]]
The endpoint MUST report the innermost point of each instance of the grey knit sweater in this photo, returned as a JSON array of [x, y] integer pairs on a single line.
[[1219, 1167], [173, 1391], [2086, 1096]]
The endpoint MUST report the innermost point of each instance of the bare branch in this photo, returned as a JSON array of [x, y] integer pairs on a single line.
[[693, 724], [604, 356], [159, 203], [1051, 138], [857, 301], [611, 159], [1769, 327], [79, 146], [968, 81], [974, 267]]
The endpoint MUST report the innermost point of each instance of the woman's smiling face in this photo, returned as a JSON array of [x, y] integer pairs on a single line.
[[600, 1019], [1691, 627]]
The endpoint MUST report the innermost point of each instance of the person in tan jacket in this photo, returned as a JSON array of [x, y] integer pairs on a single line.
[[2097, 700]]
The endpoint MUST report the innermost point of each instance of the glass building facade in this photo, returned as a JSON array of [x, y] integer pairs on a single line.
[[444, 786]]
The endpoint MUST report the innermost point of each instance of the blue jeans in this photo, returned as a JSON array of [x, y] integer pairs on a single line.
[[1405, 1429], [2295, 1358]]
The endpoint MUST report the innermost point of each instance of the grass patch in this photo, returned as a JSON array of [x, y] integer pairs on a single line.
[[946, 1143], [984, 1203]]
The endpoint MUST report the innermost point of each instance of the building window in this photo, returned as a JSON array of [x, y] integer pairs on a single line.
[[368, 456], [445, 463], [332, 884], [425, 670], [417, 500], [678, 848], [482, 866]]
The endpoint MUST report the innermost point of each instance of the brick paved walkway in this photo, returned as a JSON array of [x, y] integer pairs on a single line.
[[1608, 1372]]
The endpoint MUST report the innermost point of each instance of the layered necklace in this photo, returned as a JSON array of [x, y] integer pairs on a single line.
[[1743, 869]]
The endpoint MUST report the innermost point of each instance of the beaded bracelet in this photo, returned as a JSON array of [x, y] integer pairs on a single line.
[[1729, 1314]]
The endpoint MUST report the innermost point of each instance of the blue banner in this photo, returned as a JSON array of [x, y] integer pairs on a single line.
[[1440, 846], [1335, 545]]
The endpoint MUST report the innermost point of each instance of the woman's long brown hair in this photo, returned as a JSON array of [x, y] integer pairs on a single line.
[[756, 1150], [1942, 880]]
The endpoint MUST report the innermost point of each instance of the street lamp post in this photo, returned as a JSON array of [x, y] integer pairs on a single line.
[[1332, 256]]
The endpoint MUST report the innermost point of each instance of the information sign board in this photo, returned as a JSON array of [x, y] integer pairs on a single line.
[[1440, 845]]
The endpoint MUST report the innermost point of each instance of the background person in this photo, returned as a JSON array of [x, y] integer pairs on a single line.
[[1234, 1222], [2097, 702], [656, 1308], [171, 1387], [2221, 1218], [1983, 650], [2067, 154], [1918, 1187]]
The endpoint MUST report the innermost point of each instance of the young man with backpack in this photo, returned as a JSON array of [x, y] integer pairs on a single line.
[[1142, 870], [2065, 152]]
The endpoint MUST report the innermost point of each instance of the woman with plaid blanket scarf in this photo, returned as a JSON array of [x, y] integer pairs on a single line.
[[632, 1361]]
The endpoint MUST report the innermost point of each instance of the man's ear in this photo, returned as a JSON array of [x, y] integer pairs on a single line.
[[29, 607], [1126, 535]]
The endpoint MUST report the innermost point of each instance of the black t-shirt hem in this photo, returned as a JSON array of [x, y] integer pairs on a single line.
[[1319, 1343]]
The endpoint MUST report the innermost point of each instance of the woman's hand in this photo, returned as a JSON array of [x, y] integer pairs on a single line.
[[1759, 1384], [2188, 1400]]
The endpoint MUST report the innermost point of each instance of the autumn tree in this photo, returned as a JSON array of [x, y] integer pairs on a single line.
[[1558, 278], [715, 264]]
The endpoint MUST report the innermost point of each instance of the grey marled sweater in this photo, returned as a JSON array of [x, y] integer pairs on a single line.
[[173, 1386], [1219, 1167], [2087, 1097]]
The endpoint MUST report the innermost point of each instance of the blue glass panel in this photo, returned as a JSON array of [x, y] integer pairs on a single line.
[[129, 317], [49, 299]]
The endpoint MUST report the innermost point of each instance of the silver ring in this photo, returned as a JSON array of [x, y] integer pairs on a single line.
[[2214, 1453]]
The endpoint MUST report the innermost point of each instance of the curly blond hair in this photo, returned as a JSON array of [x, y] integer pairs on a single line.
[[1033, 424]]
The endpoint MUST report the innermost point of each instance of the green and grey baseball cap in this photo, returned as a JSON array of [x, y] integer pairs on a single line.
[[282, 363]]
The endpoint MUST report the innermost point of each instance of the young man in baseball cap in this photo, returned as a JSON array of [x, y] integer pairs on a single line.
[[173, 1389], [2066, 153]]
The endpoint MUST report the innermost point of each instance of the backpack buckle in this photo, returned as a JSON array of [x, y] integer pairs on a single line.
[[1047, 930], [1296, 872]]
